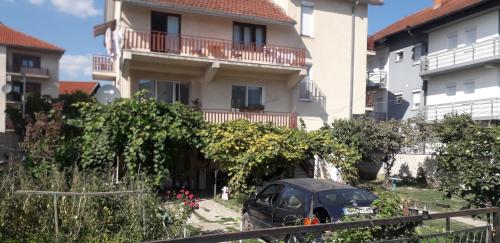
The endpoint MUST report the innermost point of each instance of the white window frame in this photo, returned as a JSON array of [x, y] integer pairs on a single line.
[[303, 30], [413, 105], [448, 37], [174, 85], [262, 98], [470, 82], [400, 55], [467, 31], [421, 47], [396, 100]]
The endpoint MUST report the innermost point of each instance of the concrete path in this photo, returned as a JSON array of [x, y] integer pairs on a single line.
[[213, 217]]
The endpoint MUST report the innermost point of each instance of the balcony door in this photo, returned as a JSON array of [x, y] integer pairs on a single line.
[[165, 32]]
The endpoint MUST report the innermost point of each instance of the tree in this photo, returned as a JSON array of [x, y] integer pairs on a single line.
[[469, 160]]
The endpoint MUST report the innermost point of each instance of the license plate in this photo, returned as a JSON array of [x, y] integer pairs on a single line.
[[359, 210]]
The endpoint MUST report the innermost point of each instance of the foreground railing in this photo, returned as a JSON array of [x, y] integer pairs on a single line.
[[279, 119], [478, 109], [473, 52], [376, 79], [102, 63], [27, 70], [213, 48], [488, 234]]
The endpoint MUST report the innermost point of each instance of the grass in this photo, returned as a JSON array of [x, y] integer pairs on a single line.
[[439, 226], [431, 197]]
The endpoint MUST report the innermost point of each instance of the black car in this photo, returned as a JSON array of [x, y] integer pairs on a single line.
[[291, 201]]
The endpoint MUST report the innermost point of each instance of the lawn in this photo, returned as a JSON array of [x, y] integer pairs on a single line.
[[432, 199]]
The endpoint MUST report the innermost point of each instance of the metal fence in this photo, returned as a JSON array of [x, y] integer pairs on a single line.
[[487, 234]]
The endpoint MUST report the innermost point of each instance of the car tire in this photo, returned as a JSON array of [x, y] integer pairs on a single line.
[[246, 225]]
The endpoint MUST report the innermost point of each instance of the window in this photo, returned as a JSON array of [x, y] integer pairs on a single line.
[[469, 87], [269, 194], [17, 90], [345, 196], [452, 41], [307, 20], [163, 25], [451, 89], [249, 34], [399, 56], [418, 52], [243, 97], [292, 199], [398, 98], [416, 99], [25, 61], [470, 35], [164, 91]]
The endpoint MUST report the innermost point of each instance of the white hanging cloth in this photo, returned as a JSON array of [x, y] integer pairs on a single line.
[[118, 41], [108, 41]]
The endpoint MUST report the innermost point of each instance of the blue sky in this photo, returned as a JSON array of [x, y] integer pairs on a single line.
[[68, 24]]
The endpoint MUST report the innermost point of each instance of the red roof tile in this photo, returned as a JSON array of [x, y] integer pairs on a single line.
[[424, 16], [11, 37], [263, 9], [70, 87]]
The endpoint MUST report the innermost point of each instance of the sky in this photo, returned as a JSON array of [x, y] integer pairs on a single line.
[[68, 24]]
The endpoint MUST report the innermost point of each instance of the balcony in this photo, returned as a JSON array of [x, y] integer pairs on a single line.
[[376, 79], [216, 49], [277, 118], [465, 57], [484, 109], [42, 73], [103, 68]]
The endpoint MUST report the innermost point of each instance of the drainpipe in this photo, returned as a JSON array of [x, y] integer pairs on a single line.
[[353, 46]]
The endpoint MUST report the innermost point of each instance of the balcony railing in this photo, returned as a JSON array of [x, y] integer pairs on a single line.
[[102, 63], [477, 51], [28, 71], [376, 79], [479, 109], [279, 119], [213, 48]]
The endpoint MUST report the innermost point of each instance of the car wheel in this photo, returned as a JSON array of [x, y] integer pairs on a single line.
[[246, 225]]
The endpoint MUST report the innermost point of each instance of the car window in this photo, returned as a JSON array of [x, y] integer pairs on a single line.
[[345, 195], [269, 194], [293, 199]]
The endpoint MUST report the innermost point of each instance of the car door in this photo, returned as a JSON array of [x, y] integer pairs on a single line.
[[261, 208], [292, 206]]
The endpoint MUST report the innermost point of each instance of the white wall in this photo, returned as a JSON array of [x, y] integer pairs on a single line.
[[487, 85], [487, 26], [3, 75]]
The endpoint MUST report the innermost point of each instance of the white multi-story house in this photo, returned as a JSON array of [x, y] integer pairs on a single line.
[[263, 60], [24, 58], [441, 60]]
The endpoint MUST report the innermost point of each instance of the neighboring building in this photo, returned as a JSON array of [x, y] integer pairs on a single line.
[[71, 87], [234, 56], [24, 55], [441, 60]]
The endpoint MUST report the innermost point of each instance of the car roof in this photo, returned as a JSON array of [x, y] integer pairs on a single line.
[[316, 185]]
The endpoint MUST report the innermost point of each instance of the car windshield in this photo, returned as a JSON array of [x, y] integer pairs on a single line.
[[344, 196]]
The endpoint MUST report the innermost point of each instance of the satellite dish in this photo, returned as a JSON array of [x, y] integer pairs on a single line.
[[7, 88], [107, 94]]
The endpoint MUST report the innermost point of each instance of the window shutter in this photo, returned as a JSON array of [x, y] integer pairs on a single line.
[[307, 20]]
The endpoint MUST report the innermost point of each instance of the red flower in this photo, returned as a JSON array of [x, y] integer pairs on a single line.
[[196, 206], [186, 193], [192, 204], [179, 196], [186, 203], [191, 196]]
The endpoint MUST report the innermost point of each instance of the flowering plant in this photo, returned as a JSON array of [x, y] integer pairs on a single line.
[[178, 207]]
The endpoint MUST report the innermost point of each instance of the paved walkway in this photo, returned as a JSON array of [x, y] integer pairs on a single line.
[[213, 217]]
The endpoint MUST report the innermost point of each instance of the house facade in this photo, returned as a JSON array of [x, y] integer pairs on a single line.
[[441, 60], [23, 57], [261, 60]]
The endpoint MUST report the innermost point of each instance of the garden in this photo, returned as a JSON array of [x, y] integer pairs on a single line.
[[130, 146]]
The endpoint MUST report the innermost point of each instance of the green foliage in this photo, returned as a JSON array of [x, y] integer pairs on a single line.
[[143, 133], [81, 219], [388, 205], [469, 160]]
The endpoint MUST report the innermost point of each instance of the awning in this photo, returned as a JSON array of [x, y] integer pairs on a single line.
[[101, 29]]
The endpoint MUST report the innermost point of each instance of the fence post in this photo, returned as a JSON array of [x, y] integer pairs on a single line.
[[56, 223], [496, 227], [448, 224]]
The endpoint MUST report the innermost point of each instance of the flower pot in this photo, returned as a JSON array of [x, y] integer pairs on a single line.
[[368, 170]]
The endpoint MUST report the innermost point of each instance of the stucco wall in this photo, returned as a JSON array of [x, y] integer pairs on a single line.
[[487, 26], [487, 85], [3, 75]]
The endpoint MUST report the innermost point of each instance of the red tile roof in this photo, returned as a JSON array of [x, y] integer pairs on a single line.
[[261, 9], [425, 16], [70, 87], [11, 37]]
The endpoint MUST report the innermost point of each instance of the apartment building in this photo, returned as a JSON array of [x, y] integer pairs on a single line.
[[262, 60], [24, 58], [441, 60]]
